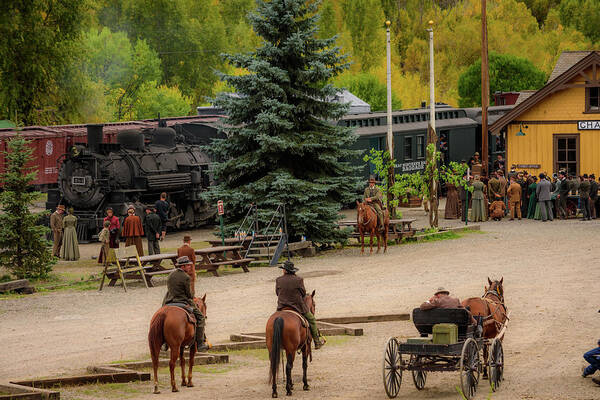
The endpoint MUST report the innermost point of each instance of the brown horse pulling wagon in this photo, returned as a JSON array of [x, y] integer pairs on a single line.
[[447, 342]]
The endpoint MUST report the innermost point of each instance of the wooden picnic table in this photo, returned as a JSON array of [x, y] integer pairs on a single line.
[[399, 228], [232, 242], [211, 258], [152, 267]]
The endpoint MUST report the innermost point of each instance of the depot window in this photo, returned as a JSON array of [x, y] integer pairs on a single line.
[[592, 99], [408, 148]]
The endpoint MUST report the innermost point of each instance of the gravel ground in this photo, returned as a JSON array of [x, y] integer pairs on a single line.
[[548, 279]]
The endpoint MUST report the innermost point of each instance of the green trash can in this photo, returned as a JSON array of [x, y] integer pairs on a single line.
[[445, 333]]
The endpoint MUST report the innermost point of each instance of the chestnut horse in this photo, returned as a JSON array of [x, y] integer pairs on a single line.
[[492, 309], [366, 220], [170, 325], [284, 329]]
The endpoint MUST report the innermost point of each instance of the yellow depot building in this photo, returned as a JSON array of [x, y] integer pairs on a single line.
[[557, 127]]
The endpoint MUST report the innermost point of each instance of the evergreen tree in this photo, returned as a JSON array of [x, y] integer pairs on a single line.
[[25, 251], [507, 74], [281, 146]]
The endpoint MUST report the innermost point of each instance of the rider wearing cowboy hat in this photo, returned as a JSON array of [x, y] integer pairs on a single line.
[[290, 294], [441, 299], [178, 291], [374, 198]]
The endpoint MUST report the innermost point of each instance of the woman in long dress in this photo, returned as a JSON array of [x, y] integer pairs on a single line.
[[478, 201], [70, 247], [452, 210], [532, 199]]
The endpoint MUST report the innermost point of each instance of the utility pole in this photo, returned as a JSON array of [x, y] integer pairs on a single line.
[[432, 136], [390, 134], [485, 88]]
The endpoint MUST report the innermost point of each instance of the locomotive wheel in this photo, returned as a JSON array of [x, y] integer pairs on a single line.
[[496, 361], [470, 365], [419, 377], [392, 368]]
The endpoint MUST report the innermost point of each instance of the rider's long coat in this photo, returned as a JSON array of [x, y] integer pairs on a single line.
[[290, 293]]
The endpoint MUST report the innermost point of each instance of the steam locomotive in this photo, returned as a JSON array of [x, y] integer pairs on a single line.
[[135, 170]]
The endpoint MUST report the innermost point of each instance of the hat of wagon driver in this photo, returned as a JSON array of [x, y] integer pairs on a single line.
[[184, 260], [441, 290], [289, 266]]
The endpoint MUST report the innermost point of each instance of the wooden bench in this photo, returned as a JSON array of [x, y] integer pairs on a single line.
[[212, 258]]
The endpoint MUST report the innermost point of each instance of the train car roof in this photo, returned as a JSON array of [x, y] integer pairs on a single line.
[[494, 113], [416, 126], [412, 111]]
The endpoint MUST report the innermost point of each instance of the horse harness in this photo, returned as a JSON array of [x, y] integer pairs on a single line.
[[498, 304], [374, 212]]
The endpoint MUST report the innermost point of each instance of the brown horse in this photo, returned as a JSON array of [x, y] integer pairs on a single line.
[[366, 220], [492, 309], [284, 329], [170, 324]]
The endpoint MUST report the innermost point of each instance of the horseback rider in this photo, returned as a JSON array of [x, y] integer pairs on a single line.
[[290, 294], [374, 198], [178, 292]]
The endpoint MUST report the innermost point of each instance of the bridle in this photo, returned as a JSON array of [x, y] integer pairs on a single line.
[[496, 290], [364, 212]]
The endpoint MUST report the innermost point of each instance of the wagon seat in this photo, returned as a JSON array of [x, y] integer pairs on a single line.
[[425, 320]]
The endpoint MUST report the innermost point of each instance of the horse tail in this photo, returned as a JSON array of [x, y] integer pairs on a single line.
[[156, 334], [276, 348]]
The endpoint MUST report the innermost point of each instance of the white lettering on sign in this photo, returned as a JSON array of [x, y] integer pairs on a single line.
[[50, 170], [588, 125], [411, 166]]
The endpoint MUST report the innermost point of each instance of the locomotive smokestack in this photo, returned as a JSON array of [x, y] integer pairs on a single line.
[[94, 136]]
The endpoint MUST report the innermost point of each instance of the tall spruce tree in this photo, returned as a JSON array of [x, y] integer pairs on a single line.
[[281, 145], [25, 252]]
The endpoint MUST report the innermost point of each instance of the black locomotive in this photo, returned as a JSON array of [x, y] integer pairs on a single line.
[[135, 170]]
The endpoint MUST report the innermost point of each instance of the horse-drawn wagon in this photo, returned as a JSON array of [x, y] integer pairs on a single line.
[[447, 342]]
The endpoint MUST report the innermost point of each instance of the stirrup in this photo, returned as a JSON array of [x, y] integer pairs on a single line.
[[320, 342]]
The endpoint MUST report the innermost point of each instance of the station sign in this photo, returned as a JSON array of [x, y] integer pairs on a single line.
[[220, 208], [411, 166], [588, 125]]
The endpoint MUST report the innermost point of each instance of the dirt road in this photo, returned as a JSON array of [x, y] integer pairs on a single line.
[[550, 279]]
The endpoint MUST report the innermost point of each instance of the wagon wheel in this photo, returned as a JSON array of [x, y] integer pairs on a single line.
[[496, 361], [392, 368], [469, 368], [419, 376]]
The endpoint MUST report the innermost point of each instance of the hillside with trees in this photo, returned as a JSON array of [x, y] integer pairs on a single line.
[[77, 61]]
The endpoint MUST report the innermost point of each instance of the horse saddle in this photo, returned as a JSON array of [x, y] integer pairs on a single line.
[[303, 320], [188, 311]]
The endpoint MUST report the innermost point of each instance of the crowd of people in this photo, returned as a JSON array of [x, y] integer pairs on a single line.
[[133, 228], [520, 195]]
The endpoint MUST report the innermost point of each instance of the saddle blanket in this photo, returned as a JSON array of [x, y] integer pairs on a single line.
[[188, 310]]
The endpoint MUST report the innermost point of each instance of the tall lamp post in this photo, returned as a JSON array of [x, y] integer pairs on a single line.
[[432, 135], [390, 135]]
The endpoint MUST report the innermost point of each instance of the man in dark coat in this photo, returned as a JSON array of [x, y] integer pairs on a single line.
[[542, 192], [178, 292], [593, 195], [152, 227], [584, 197], [189, 252], [162, 209], [290, 294], [563, 193]]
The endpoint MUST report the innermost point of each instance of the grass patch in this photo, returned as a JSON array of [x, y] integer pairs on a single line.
[[105, 391], [441, 236], [337, 340]]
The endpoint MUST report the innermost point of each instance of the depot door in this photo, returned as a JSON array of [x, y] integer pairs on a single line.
[[566, 153]]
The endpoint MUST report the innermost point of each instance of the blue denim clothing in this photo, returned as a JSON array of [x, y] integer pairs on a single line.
[[593, 357]]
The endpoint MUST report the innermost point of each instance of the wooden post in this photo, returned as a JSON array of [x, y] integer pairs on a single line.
[[485, 88], [390, 135]]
